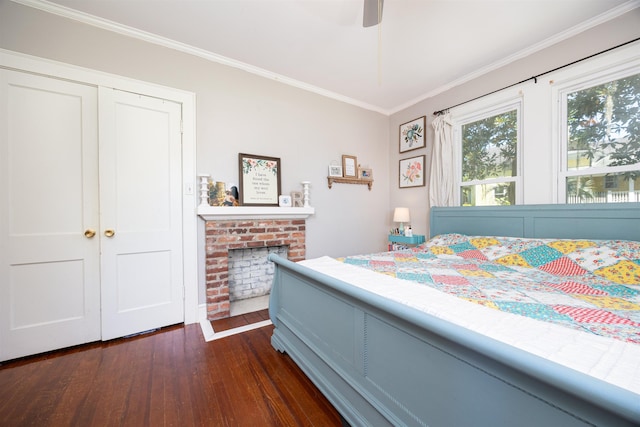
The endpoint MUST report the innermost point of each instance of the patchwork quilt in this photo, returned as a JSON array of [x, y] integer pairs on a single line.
[[591, 285]]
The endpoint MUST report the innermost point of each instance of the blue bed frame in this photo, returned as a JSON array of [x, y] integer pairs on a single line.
[[381, 363]]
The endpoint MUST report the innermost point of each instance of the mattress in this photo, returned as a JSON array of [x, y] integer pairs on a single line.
[[607, 358], [591, 285]]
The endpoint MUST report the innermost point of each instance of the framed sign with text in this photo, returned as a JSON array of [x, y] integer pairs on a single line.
[[259, 180], [349, 166]]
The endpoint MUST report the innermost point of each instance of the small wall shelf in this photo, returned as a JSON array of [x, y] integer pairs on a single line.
[[332, 179]]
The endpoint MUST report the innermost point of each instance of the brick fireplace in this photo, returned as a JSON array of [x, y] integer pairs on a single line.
[[222, 235]]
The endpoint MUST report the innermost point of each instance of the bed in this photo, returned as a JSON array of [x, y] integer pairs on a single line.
[[386, 350]]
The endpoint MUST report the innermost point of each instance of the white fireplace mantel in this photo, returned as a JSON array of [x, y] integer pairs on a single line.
[[217, 213]]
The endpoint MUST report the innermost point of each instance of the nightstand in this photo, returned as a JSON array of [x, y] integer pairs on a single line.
[[397, 241]]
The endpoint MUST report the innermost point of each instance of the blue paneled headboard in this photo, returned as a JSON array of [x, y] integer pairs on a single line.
[[588, 221]]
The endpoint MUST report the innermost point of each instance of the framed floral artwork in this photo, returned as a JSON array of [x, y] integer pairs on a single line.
[[412, 134], [259, 180], [412, 172]]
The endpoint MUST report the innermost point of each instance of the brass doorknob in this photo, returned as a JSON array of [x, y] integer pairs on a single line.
[[89, 233], [109, 232]]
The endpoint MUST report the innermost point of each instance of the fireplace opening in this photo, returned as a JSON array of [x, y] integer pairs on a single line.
[[250, 277], [225, 236]]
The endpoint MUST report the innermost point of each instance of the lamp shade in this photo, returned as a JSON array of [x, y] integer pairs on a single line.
[[401, 215]]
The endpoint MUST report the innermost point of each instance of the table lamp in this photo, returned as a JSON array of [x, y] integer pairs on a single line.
[[401, 215]]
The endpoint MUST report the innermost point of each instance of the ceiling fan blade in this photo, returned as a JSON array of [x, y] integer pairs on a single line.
[[372, 12]]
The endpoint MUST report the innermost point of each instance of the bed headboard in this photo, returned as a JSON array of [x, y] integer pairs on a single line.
[[620, 221]]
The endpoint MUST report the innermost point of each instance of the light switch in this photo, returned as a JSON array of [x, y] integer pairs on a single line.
[[188, 188]]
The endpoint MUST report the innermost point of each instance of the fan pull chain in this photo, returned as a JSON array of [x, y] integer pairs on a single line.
[[379, 43]]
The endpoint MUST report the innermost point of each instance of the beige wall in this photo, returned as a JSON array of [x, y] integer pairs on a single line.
[[621, 30], [241, 112], [238, 112]]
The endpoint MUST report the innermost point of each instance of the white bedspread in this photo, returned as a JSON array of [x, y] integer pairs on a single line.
[[613, 361]]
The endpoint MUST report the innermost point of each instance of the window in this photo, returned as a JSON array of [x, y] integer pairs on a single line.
[[570, 136], [490, 158], [601, 142]]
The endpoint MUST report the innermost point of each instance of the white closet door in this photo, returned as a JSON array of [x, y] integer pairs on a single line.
[[141, 204], [49, 270]]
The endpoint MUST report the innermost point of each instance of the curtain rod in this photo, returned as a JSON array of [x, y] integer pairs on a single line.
[[535, 78]]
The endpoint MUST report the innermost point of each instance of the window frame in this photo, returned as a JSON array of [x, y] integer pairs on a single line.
[[478, 110], [560, 94], [541, 156]]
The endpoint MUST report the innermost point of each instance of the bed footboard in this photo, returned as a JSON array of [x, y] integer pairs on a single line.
[[381, 363]]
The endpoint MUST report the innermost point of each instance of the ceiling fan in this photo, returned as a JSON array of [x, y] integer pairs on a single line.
[[372, 13]]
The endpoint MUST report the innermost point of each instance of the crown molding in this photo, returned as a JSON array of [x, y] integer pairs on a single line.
[[105, 24], [125, 30], [570, 32]]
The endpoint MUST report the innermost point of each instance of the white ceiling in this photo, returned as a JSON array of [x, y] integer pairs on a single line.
[[422, 47]]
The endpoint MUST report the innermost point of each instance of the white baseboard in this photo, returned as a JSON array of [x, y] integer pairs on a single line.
[[210, 335]]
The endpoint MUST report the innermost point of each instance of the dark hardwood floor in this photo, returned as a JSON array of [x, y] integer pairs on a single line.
[[168, 378], [240, 320]]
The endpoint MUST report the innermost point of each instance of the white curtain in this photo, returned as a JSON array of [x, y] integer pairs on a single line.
[[441, 184]]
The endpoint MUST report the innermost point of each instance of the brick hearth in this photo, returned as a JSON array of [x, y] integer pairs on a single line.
[[223, 235]]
